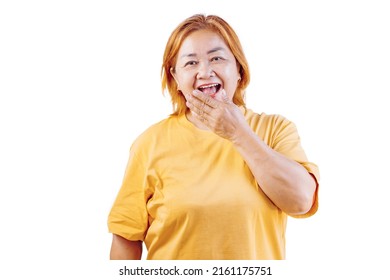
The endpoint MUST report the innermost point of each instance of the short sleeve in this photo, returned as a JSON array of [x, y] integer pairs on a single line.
[[286, 141], [128, 216]]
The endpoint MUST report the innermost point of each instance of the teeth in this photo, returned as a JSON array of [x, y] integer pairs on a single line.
[[209, 86]]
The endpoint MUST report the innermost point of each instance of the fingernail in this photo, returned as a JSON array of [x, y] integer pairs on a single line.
[[224, 95]]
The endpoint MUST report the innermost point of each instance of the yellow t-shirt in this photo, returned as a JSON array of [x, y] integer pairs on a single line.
[[188, 194]]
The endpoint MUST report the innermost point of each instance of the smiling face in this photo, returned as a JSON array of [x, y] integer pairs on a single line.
[[205, 62]]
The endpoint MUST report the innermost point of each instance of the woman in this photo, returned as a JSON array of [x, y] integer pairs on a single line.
[[214, 180]]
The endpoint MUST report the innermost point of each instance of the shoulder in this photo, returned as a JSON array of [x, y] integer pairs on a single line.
[[154, 134], [266, 121]]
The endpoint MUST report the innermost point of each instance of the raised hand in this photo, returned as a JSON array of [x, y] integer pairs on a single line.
[[220, 114]]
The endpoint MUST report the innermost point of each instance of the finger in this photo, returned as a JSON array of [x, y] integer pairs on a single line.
[[205, 98], [203, 118], [198, 106], [225, 98]]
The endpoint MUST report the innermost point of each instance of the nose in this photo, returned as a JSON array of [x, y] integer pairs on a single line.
[[205, 71]]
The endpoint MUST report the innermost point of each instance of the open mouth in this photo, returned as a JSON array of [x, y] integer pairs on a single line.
[[211, 89]]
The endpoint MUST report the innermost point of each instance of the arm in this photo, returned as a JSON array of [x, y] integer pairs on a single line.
[[288, 184], [284, 181], [123, 249]]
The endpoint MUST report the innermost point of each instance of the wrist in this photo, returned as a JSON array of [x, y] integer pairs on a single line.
[[242, 135]]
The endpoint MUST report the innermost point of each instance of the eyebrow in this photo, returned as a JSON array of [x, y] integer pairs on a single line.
[[209, 52]]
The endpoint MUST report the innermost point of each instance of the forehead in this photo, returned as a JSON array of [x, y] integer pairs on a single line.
[[201, 42]]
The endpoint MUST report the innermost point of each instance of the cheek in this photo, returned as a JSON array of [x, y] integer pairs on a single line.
[[230, 81], [232, 73], [186, 82]]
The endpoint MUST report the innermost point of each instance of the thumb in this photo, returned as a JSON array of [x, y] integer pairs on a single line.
[[225, 98]]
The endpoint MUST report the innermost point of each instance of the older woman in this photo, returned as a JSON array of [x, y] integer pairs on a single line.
[[215, 180]]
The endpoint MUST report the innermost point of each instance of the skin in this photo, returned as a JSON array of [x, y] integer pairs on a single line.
[[205, 59], [123, 249], [284, 181]]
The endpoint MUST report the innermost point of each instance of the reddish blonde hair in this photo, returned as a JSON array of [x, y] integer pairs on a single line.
[[188, 26]]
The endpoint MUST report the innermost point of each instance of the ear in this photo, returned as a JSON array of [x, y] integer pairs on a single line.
[[238, 72], [173, 73]]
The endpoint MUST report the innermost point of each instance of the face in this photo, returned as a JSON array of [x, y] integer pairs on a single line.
[[205, 62]]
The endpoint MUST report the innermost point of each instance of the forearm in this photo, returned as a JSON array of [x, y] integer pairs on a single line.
[[123, 249], [284, 181]]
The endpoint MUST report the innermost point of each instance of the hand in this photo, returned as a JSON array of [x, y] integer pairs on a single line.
[[222, 117]]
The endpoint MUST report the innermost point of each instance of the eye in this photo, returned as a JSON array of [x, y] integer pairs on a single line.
[[190, 63], [217, 58]]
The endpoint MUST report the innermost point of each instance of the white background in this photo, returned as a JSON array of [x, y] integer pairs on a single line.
[[79, 80]]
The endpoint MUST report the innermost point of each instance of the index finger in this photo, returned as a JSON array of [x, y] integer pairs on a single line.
[[205, 98]]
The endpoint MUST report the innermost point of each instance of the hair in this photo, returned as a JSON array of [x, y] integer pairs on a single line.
[[183, 30]]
